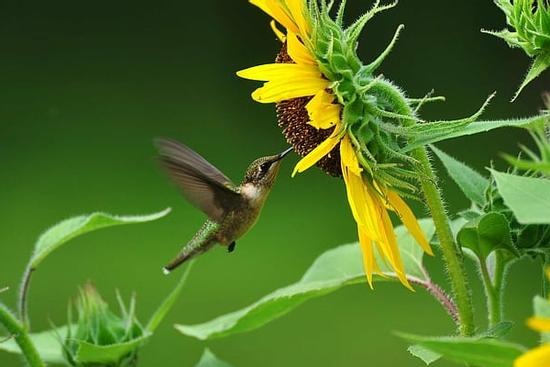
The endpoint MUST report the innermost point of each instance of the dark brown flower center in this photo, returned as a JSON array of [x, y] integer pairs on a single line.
[[293, 119]]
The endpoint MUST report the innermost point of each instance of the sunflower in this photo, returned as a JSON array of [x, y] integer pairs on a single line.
[[539, 356], [320, 88]]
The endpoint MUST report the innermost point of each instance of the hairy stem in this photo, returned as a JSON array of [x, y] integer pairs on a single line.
[[439, 294], [492, 294], [21, 336], [452, 254]]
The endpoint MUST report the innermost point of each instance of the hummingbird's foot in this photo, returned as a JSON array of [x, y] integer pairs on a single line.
[[231, 247]]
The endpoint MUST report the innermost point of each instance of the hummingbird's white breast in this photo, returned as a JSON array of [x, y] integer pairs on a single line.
[[252, 192]]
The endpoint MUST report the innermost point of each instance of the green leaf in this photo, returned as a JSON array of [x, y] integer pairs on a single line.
[[471, 129], [527, 197], [475, 351], [542, 309], [426, 355], [46, 343], [208, 359], [486, 234], [168, 303], [107, 354], [332, 270], [472, 184], [68, 229], [499, 331], [50, 349], [540, 64]]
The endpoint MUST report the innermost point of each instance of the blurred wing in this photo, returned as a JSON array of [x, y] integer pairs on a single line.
[[203, 185]]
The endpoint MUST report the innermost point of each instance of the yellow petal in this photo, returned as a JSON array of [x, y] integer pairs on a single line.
[[323, 114], [409, 220], [282, 72], [280, 35], [278, 91], [298, 52], [369, 262], [538, 357], [298, 12], [274, 9], [319, 152], [349, 156], [539, 324], [388, 245], [359, 203]]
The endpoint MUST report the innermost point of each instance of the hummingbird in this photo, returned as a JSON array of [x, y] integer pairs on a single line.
[[232, 210]]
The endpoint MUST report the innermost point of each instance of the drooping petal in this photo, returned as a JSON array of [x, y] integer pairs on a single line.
[[285, 72], [297, 51], [409, 220], [322, 112], [369, 262], [319, 152], [537, 357], [358, 198], [274, 9], [349, 157], [278, 91], [539, 324], [280, 35]]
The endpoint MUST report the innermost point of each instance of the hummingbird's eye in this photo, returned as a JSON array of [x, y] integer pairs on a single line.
[[264, 167]]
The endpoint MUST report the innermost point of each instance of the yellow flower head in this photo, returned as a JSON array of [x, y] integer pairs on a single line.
[[331, 109], [540, 356]]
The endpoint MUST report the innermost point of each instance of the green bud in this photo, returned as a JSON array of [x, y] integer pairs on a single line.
[[530, 23], [97, 326]]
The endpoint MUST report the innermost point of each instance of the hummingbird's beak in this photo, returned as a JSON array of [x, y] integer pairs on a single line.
[[283, 154]]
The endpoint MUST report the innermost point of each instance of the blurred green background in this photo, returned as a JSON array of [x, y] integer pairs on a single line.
[[86, 86]]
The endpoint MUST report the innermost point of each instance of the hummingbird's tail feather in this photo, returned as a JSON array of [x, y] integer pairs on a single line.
[[189, 251]]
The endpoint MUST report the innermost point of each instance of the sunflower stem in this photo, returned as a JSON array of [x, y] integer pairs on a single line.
[[492, 294], [452, 254], [19, 332]]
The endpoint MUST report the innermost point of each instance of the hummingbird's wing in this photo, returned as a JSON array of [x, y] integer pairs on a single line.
[[202, 184]]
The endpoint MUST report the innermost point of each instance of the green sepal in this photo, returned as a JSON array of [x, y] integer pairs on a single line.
[[451, 132], [539, 65]]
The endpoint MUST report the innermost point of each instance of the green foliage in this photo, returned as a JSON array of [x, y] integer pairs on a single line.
[[100, 336], [498, 331], [483, 352], [208, 359], [472, 184], [449, 132], [427, 356], [169, 302], [47, 344], [530, 21], [527, 197], [68, 229], [539, 163], [332, 270], [487, 233], [19, 337]]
